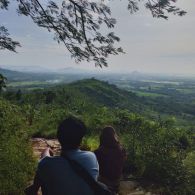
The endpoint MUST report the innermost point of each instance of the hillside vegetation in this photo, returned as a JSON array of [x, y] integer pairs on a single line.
[[17, 163], [159, 150]]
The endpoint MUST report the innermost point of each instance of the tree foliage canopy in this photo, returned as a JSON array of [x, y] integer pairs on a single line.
[[17, 163], [78, 24], [2, 82]]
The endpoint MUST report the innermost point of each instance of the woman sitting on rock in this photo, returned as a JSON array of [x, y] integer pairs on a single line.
[[111, 156]]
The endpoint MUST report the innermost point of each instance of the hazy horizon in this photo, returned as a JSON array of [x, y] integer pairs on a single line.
[[151, 45], [96, 72]]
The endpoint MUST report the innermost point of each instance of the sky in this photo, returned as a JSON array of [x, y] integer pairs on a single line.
[[151, 45]]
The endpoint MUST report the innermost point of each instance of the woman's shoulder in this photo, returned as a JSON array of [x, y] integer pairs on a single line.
[[99, 150], [113, 151]]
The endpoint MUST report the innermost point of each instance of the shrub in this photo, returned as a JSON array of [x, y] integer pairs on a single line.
[[17, 163], [156, 152]]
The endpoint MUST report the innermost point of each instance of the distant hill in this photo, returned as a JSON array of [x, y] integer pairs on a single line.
[[88, 93], [105, 93], [66, 75], [109, 95], [12, 75]]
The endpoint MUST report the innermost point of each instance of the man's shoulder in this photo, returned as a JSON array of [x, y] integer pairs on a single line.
[[83, 156], [87, 153], [89, 161]]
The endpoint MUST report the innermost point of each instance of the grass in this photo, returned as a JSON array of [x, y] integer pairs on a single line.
[[186, 91], [149, 94]]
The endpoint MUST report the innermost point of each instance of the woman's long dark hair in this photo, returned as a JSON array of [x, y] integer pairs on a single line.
[[109, 138]]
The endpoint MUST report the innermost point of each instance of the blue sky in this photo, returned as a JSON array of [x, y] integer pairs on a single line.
[[151, 45]]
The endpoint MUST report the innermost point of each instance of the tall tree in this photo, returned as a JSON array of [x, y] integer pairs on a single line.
[[78, 24]]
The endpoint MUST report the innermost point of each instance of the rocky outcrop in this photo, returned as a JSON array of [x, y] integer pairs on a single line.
[[39, 144]]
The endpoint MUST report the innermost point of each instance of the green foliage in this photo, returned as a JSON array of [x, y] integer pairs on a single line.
[[46, 120], [17, 163], [190, 164], [2, 82], [158, 151], [90, 143]]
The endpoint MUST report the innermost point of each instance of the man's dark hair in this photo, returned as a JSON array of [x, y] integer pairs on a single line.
[[70, 133]]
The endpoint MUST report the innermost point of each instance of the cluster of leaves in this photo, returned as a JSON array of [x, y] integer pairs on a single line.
[[160, 8], [17, 163], [78, 24], [6, 42]]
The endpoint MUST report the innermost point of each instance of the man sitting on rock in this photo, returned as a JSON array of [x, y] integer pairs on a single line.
[[55, 175]]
